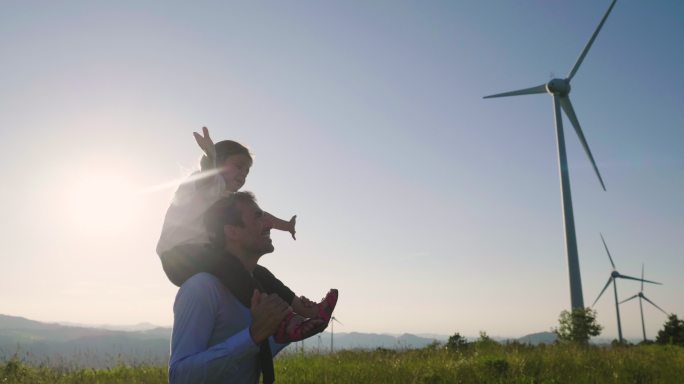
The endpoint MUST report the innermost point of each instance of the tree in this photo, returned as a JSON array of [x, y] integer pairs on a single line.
[[577, 326], [485, 339], [456, 342], [672, 332]]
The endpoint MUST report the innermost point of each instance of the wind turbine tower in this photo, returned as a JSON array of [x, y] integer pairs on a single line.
[[560, 90], [613, 277], [332, 332], [641, 295]]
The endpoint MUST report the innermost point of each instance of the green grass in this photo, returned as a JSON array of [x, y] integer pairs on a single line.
[[16, 372], [476, 363], [491, 364]]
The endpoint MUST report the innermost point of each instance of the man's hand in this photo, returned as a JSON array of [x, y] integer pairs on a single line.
[[267, 313], [205, 142]]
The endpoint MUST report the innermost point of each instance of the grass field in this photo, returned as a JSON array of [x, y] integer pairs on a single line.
[[474, 363]]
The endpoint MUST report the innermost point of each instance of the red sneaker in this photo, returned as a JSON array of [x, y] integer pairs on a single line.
[[324, 309], [295, 327]]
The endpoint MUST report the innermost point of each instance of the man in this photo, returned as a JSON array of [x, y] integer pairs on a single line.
[[217, 336]]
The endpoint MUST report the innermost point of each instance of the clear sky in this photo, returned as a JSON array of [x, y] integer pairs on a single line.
[[431, 209]]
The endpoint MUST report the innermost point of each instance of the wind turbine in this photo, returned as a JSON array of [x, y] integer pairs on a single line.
[[641, 295], [560, 89], [332, 331], [614, 276]]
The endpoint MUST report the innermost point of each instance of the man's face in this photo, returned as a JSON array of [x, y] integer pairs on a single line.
[[234, 171], [255, 236]]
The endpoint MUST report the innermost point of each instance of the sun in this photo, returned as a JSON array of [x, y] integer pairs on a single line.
[[101, 203]]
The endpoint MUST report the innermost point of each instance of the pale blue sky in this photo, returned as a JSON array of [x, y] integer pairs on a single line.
[[431, 209]]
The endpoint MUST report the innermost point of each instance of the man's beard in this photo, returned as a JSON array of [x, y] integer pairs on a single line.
[[259, 250]]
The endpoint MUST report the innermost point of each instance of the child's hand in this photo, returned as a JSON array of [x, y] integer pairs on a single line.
[[293, 222], [205, 142]]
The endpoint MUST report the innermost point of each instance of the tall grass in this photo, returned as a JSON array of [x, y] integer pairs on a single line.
[[492, 363], [474, 363], [15, 371]]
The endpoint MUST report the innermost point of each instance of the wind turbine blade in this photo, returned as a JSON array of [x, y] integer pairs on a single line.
[[603, 290], [642, 277], [570, 112], [633, 297], [607, 251], [637, 279], [335, 319], [654, 304], [526, 91], [591, 41]]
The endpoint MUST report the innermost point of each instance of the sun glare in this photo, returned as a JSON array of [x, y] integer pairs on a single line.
[[101, 204]]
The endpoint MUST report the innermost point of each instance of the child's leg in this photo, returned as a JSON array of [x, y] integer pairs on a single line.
[[302, 306], [272, 285], [184, 261]]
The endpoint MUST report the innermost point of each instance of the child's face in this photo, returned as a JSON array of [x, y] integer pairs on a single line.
[[235, 170]]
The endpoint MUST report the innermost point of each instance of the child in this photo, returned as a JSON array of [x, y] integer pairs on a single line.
[[184, 246]]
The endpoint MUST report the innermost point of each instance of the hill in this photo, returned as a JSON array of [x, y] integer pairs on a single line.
[[86, 346], [81, 346], [55, 344], [538, 338]]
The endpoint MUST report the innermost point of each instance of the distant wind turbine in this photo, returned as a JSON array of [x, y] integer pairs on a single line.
[[332, 331], [614, 276], [641, 295], [560, 89]]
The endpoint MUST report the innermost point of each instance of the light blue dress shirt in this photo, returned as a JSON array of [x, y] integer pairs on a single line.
[[210, 342]]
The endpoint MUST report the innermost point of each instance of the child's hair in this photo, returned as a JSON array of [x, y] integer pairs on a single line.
[[225, 212], [224, 149]]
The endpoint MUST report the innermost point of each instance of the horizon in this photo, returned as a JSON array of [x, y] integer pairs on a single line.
[[430, 209], [135, 328], [150, 326]]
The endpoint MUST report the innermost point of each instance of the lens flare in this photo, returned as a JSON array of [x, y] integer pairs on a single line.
[[101, 204]]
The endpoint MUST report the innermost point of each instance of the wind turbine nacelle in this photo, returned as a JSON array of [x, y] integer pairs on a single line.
[[558, 86]]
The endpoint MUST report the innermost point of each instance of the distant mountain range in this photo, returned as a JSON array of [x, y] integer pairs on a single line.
[[538, 338], [356, 340], [134, 327], [77, 346]]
